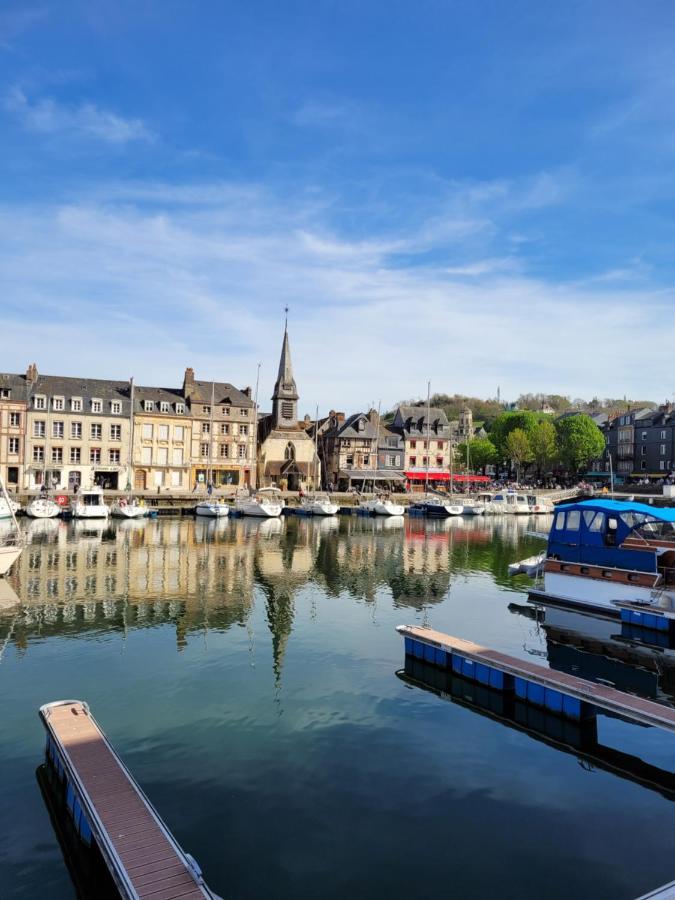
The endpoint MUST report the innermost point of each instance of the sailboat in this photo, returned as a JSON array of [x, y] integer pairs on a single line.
[[212, 509], [317, 503], [128, 507], [43, 508], [11, 547]]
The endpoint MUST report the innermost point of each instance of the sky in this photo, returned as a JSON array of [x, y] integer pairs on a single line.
[[477, 194]]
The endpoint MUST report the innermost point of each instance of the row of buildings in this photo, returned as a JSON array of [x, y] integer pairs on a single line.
[[639, 443], [64, 432]]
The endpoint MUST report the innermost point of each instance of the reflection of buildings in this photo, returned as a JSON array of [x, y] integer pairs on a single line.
[[85, 574]]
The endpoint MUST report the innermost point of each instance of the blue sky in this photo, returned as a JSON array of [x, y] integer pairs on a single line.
[[476, 193]]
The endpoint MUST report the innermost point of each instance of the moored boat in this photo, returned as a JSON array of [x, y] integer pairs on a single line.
[[89, 505], [611, 555], [319, 505], [43, 508], [212, 509], [128, 508], [8, 507], [265, 503], [11, 545], [381, 506]]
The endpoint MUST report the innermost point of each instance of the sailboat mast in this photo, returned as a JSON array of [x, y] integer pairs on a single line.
[[255, 426], [316, 444], [209, 478], [131, 433], [426, 478]]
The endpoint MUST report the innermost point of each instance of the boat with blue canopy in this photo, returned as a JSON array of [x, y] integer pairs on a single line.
[[612, 555]]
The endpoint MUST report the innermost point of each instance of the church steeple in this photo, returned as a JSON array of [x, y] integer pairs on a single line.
[[285, 397]]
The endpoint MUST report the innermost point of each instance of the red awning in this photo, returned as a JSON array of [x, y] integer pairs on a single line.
[[431, 476], [470, 477]]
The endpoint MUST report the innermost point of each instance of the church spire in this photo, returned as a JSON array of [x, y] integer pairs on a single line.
[[285, 396]]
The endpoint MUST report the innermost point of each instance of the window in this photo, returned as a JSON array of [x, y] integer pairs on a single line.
[[76, 404], [225, 450], [39, 428], [413, 460], [663, 450], [350, 459], [147, 432], [244, 412], [146, 456], [38, 454], [39, 402], [206, 410], [391, 460], [115, 432], [115, 407], [595, 521], [149, 405], [163, 456], [644, 435], [15, 420], [366, 460], [96, 405], [180, 408], [242, 451], [643, 450], [57, 454], [59, 403], [75, 455], [96, 432], [57, 429], [177, 457], [286, 409], [14, 446], [425, 460], [5, 393], [559, 523], [226, 410], [243, 430], [573, 520], [205, 450], [289, 452], [76, 430], [114, 457], [413, 445], [206, 428], [663, 435], [440, 444], [224, 428], [643, 464], [163, 433], [164, 407], [662, 464], [439, 460], [95, 455]]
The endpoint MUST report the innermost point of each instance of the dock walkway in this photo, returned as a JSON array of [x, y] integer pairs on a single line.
[[557, 691], [144, 859]]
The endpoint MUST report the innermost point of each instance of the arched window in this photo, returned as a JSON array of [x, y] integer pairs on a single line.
[[289, 452]]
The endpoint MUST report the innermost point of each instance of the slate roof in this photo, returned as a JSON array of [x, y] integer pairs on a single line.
[[223, 393], [348, 429], [172, 396], [63, 386]]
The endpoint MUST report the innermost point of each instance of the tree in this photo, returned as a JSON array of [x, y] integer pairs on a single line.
[[579, 441], [507, 422], [482, 453], [518, 448], [544, 445]]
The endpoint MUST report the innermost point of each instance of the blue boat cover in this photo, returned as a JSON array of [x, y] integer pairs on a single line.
[[659, 514]]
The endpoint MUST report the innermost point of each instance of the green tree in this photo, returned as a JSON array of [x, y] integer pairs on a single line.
[[482, 453], [579, 441], [503, 425], [544, 445], [517, 448]]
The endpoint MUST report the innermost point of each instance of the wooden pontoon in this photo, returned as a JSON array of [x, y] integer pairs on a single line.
[[109, 807]]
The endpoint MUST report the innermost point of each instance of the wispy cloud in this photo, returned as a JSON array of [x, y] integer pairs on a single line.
[[13, 22], [48, 116], [186, 281]]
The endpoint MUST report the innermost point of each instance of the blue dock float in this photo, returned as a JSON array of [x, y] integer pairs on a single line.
[[557, 692]]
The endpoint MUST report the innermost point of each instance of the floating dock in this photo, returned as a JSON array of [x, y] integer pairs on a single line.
[[109, 808], [557, 692]]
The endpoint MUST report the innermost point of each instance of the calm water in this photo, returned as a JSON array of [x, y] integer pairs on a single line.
[[250, 675]]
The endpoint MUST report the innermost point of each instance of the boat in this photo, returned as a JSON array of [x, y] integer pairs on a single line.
[[128, 508], [11, 546], [472, 508], [89, 505], [319, 505], [435, 507], [8, 507], [510, 503], [381, 506], [212, 510], [612, 555], [265, 503], [43, 508], [531, 566]]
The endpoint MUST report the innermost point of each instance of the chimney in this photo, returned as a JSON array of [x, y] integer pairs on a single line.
[[31, 373], [340, 417], [248, 391], [189, 383], [372, 417]]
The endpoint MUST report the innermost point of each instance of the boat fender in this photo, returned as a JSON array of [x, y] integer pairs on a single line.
[[123, 502]]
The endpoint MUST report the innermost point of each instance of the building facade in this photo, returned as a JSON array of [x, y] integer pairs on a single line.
[[286, 453], [427, 442], [12, 431], [349, 450], [641, 443], [162, 440]]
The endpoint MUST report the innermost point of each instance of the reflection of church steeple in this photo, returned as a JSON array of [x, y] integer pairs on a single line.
[[279, 608], [285, 397]]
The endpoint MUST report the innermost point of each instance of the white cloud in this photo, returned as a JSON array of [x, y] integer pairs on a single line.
[[47, 116], [165, 278]]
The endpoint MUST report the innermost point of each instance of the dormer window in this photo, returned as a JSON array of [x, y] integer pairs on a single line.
[[244, 412], [361, 425], [206, 410], [59, 403], [5, 393], [164, 407], [39, 401], [115, 407], [76, 404], [180, 408], [96, 405], [226, 410], [149, 405]]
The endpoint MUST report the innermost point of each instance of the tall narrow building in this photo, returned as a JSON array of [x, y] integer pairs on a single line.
[[286, 456]]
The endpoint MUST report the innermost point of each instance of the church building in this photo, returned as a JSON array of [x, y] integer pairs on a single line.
[[286, 454]]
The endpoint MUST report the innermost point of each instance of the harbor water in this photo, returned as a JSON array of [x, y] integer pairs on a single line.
[[250, 675]]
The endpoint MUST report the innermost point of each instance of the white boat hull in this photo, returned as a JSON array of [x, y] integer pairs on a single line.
[[382, 508], [321, 509], [42, 508], [260, 510], [582, 591], [8, 556], [6, 509], [212, 510], [129, 511], [80, 511]]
